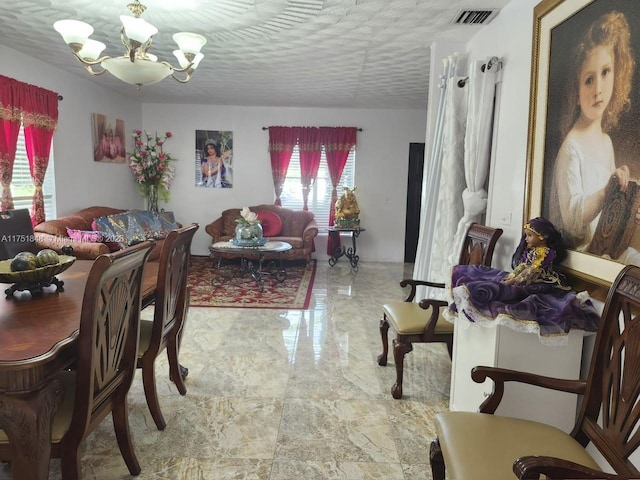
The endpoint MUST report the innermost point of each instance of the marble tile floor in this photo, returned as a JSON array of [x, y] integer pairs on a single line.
[[286, 395]]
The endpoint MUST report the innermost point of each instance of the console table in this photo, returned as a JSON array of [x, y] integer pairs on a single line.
[[350, 253]]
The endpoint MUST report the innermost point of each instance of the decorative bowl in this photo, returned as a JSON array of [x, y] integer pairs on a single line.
[[249, 243], [35, 276]]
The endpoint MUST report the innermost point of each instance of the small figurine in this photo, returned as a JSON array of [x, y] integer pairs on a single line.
[[533, 297], [347, 210]]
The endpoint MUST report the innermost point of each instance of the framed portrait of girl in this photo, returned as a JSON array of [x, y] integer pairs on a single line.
[[583, 166]]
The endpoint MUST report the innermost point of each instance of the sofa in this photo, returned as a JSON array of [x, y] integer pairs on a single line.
[[298, 227], [55, 234]]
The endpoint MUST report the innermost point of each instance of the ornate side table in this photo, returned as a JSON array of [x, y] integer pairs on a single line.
[[350, 252]]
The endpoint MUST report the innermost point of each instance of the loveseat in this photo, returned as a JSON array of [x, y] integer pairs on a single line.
[[298, 227], [55, 234]]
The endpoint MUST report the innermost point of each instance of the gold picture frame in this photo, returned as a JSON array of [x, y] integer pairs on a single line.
[[557, 24]]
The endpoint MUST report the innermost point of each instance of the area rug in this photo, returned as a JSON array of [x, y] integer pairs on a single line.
[[231, 288]]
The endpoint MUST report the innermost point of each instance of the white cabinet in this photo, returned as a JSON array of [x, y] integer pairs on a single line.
[[503, 347]]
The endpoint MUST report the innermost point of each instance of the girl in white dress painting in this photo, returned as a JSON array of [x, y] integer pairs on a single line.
[[598, 90]]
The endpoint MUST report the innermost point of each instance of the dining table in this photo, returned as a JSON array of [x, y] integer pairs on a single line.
[[38, 339]]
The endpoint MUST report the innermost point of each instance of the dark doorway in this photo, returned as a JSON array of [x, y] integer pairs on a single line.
[[414, 200]]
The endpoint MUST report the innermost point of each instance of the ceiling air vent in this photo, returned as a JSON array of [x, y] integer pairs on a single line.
[[474, 17]]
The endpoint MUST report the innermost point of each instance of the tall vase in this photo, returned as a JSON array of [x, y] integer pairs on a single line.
[[152, 197]]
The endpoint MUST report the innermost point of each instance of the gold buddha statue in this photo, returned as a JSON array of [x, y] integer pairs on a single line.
[[347, 210]]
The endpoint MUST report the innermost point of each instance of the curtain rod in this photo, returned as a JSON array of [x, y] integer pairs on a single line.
[[267, 128], [492, 61]]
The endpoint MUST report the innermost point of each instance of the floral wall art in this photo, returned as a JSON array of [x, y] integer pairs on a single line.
[[108, 139], [214, 159]]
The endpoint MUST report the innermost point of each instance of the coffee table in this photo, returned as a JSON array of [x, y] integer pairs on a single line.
[[248, 261]]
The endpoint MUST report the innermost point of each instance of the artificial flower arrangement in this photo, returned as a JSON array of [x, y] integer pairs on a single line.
[[248, 229], [247, 217], [152, 167]]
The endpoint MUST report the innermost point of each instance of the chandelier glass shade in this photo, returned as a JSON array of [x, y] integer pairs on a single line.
[[137, 66]]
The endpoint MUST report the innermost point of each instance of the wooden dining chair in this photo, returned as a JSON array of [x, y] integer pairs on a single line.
[[16, 233], [423, 322], [164, 332], [107, 348], [483, 446]]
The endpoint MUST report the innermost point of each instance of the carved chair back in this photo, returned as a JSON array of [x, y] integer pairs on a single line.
[[108, 336], [479, 244], [16, 233], [171, 290], [610, 413]]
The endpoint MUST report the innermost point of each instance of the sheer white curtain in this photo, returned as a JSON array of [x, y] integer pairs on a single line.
[[483, 76], [443, 181]]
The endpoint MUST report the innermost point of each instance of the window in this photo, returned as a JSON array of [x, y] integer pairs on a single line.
[[319, 199], [22, 187]]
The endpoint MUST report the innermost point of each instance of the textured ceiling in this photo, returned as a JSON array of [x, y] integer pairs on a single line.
[[305, 53]]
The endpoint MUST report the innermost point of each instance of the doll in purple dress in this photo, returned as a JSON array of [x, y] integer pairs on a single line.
[[533, 297]]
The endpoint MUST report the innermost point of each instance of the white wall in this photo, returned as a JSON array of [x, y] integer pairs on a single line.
[[515, 23], [381, 165], [80, 182]]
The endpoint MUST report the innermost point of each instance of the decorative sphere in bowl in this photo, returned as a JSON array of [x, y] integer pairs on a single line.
[[36, 275]]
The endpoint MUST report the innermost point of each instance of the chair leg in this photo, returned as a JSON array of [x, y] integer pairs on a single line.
[[151, 393], [399, 351], [70, 461], [120, 415], [177, 373], [437, 461], [384, 335]]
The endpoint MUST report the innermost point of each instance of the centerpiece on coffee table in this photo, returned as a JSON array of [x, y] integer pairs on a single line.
[[248, 230]]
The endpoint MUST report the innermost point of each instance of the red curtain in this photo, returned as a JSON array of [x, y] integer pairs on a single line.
[[338, 142], [310, 152], [39, 118], [9, 128], [37, 110], [281, 143]]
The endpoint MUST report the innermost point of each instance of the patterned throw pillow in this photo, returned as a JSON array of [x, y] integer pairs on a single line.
[[135, 226], [88, 236], [271, 223]]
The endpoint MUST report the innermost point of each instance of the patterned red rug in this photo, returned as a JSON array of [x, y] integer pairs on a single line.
[[229, 286]]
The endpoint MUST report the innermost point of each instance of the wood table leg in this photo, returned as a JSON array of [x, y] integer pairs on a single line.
[[26, 419]]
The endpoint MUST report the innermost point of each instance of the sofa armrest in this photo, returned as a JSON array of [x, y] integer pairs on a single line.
[[81, 250], [309, 233], [215, 229]]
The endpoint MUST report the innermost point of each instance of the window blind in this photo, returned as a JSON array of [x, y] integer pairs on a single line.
[[320, 194]]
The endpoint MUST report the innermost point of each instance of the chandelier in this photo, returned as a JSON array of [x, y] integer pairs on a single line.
[[137, 66]]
